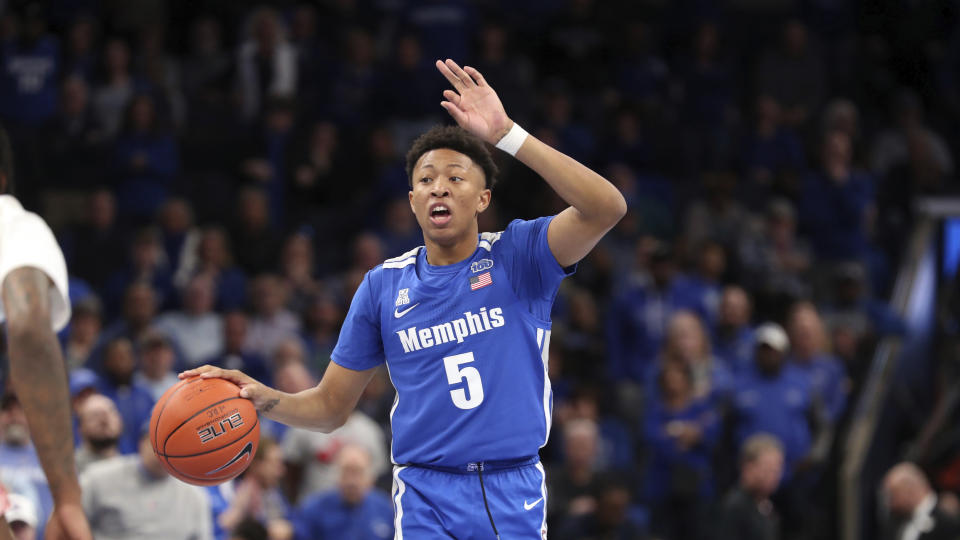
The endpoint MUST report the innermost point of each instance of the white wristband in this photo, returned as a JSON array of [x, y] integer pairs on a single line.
[[513, 140]]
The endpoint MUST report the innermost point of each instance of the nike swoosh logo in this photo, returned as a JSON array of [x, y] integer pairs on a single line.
[[397, 313], [245, 452], [529, 506]]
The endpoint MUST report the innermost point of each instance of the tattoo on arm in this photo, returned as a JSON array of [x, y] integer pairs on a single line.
[[268, 406]]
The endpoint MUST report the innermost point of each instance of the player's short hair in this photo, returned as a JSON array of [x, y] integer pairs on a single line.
[[458, 140], [6, 161], [757, 445]]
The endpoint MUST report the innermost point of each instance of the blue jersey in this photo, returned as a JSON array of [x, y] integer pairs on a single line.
[[465, 346]]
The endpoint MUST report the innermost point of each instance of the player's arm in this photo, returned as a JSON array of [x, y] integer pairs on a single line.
[[595, 204], [39, 378], [324, 407]]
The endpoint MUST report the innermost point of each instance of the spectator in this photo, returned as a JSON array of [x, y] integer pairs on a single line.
[[99, 233], [322, 318], [135, 402], [681, 430], [266, 62], [733, 336], [80, 55], [162, 71], [573, 486], [794, 75], [298, 270], [134, 497], [312, 455], [196, 328], [688, 344], [258, 494], [147, 264], [214, 258], [912, 507], [808, 352], [611, 517], [266, 159], [892, 145], [111, 97], [256, 243], [100, 429], [747, 513], [355, 79], [271, 322], [139, 309], [640, 315], [351, 510], [85, 326], [773, 260], [835, 203], [146, 160], [773, 154], [157, 360], [719, 216], [74, 140], [179, 236], [19, 465], [31, 68], [235, 353], [707, 276], [21, 515], [853, 307]]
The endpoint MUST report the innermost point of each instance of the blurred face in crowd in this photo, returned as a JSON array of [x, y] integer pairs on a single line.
[[837, 152], [662, 270], [612, 506], [904, 488], [580, 442], [323, 313], [268, 467], [408, 52], [356, 473], [142, 113], [298, 256], [686, 338], [769, 360], [102, 209], [266, 30], [289, 351], [253, 210], [75, 96], [234, 331], [768, 113], [100, 422], [117, 57], [157, 360], [84, 327], [806, 331], [13, 423], [139, 305], [675, 381], [449, 192], [206, 37], [583, 311], [795, 38], [293, 377], [734, 307], [198, 297], [119, 362], [176, 216], [213, 248], [81, 36], [761, 476], [268, 295], [713, 261]]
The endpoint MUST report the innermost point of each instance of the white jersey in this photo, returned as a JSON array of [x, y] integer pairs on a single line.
[[27, 241]]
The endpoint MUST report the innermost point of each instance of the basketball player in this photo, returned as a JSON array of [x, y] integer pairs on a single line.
[[33, 277], [463, 325]]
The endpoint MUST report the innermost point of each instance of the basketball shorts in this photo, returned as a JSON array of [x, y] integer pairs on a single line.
[[490, 500]]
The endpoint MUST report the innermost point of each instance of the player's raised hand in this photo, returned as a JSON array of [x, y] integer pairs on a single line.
[[473, 103], [260, 394]]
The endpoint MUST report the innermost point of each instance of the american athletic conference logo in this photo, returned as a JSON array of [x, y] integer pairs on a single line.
[[481, 265]]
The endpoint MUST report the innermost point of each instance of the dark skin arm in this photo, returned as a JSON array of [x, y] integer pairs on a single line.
[[39, 378]]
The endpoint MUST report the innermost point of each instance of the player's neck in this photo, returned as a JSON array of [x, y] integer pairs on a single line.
[[461, 250]]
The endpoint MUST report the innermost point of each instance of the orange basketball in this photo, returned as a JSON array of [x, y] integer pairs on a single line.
[[203, 432]]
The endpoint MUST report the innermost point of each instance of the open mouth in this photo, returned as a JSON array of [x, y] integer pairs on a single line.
[[439, 214]]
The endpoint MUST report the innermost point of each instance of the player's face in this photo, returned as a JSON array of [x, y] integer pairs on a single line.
[[448, 194]]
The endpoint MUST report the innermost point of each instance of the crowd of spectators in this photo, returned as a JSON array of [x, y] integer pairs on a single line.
[[221, 175]]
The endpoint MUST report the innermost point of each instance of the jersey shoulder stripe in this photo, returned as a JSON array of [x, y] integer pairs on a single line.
[[488, 239], [406, 259]]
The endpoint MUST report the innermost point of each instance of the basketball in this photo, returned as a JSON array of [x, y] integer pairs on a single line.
[[203, 432]]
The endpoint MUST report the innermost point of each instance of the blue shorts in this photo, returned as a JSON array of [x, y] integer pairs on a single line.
[[432, 502]]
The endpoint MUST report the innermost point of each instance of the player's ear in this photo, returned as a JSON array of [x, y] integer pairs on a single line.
[[410, 198], [484, 201]]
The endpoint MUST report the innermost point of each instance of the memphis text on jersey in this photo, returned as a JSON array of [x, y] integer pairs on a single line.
[[414, 339]]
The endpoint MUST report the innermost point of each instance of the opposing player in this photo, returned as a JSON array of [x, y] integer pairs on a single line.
[[33, 277], [463, 325]]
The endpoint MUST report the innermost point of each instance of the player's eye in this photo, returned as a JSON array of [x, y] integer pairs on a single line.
[[456, 179], [425, 179]]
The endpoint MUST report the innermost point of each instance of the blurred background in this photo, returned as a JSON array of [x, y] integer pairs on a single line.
[[749, 354]]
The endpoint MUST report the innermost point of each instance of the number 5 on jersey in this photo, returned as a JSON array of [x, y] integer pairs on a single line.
[[457, 375]]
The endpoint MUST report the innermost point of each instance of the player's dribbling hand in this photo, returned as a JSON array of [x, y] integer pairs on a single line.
[[250, 388], [474, 105], [68, 522]]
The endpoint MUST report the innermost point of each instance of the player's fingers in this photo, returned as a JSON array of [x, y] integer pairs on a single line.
[[459, 72], [451, 96], [196, 371], [454, 80], [475, 75], [455, 112]]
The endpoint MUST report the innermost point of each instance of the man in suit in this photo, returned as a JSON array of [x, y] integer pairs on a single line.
[[912, 507]]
